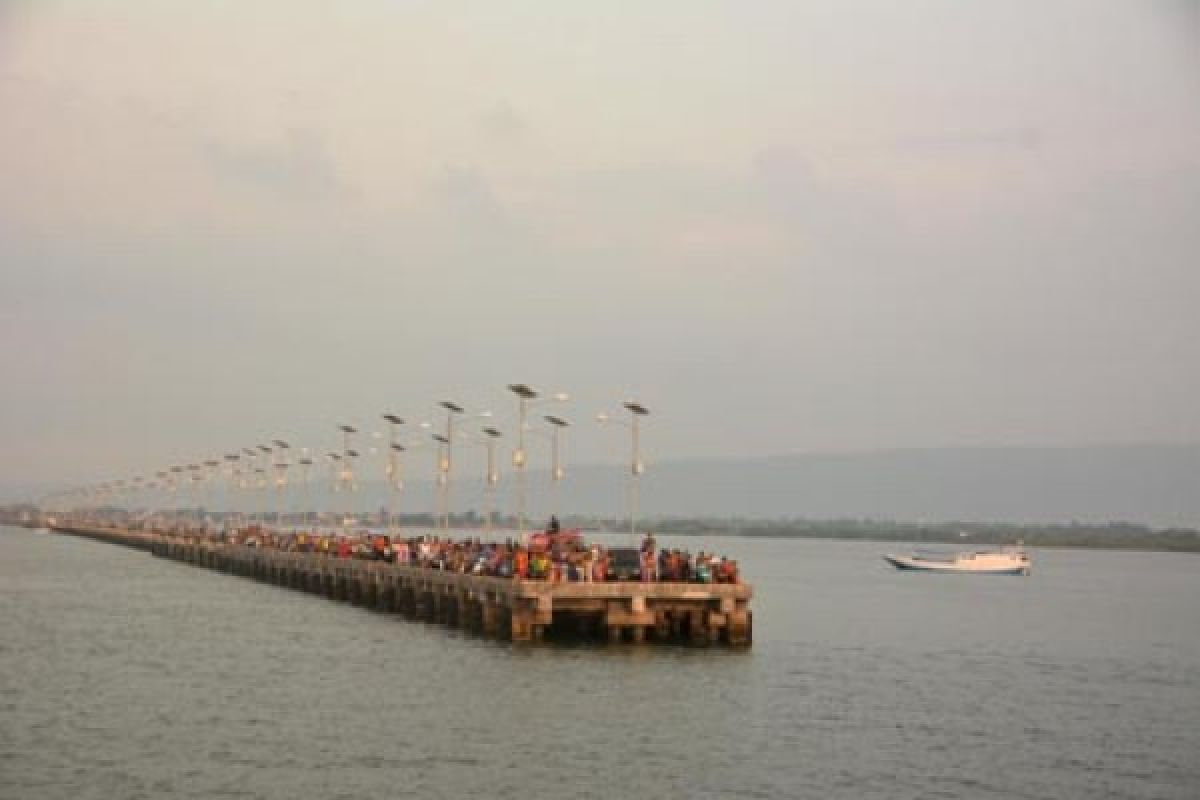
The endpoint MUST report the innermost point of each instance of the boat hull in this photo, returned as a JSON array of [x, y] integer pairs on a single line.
[[926, 565]]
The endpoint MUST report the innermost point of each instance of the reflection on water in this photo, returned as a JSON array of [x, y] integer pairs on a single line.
[[122, 675]]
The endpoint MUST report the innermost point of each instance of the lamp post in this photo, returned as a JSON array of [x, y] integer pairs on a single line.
[[305, 501], [440, 478], [163, 477], [347, 477], [281, 468], [233, 473], [176, 470], [636, 467], [195, 478], [556, 471], [395, 483], [247, 484], [452, 409], [263, 483], [335, 474], [351, 487], [492, 477], [211, 471], [525, 396]]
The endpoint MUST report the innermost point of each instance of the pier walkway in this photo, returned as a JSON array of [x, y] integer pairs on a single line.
[[502, 608]]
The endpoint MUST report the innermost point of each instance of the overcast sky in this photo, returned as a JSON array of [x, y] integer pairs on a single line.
[[787, 227]]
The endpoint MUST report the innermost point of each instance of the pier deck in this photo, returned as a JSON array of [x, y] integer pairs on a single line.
[[503, 608]]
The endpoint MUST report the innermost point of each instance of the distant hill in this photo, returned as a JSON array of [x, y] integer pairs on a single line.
[[1155, 485], [1147, 484]]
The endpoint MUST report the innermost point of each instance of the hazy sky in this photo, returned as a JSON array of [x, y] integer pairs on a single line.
[[785, 226]]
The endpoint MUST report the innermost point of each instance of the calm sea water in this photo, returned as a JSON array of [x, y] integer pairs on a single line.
[[126, 676]]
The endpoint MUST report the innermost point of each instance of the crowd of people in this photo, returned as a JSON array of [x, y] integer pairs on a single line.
[[553, 555]]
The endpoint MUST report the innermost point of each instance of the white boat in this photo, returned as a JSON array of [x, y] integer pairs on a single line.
[[1006, 561]]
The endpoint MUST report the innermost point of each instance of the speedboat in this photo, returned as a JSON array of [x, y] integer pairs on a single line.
[[1006, 561]]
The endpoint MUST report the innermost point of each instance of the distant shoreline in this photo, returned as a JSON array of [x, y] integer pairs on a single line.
[[1093, 537]]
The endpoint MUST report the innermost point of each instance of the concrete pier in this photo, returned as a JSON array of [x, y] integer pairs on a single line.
[[500, 608]]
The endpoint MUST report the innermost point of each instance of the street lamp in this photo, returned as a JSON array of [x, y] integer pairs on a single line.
[[493, 475], [351, 487], [247, 483], [525, 395], [281, 468], [195, 478], [234, 474], [451, 410], [212, 469], [335, 474], [347, 476], [556, 471], [163, 479], [263, 483], [176, 470], [441, 471], [395, 484], [636, 412]]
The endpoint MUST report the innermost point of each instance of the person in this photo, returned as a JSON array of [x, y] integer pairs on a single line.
[[648, 566], [553, 527]]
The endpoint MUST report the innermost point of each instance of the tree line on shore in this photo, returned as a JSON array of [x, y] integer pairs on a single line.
[[1110, 535]]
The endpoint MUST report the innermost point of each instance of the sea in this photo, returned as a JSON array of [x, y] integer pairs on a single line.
[[126, 676]]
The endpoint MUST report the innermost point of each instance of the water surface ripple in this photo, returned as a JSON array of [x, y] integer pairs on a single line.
[[126, 676]]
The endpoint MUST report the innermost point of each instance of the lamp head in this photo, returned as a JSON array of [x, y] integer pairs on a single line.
[[522, 391]]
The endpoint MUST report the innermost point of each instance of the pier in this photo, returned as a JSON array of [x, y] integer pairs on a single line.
[[501, 608]]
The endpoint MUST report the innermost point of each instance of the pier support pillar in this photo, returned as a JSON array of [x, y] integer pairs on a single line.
[[662, 627], [522, 624], [489, 618], [406, 602], [385, 598], [739, 629]]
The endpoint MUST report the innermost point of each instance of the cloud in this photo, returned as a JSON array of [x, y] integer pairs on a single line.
[[298, 167]]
